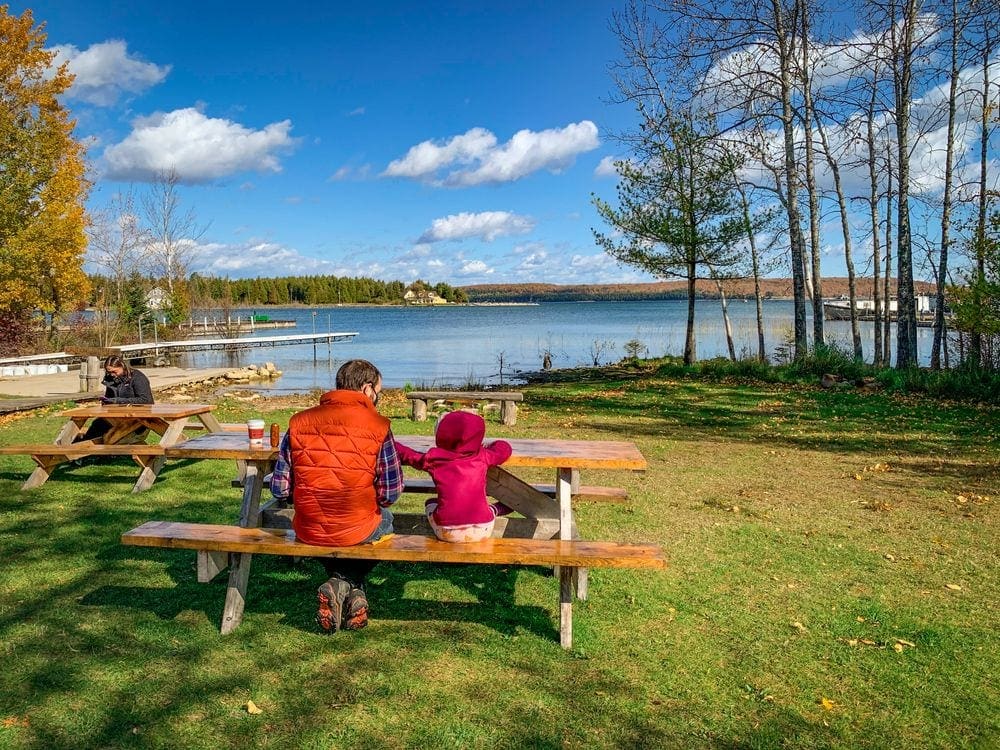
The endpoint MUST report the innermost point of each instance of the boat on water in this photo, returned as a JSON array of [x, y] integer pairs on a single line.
[[840, 309]]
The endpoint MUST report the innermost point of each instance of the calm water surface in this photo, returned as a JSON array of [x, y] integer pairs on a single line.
[[439, 346]]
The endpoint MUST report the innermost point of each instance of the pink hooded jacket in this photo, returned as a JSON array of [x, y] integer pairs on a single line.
[[458, 467]]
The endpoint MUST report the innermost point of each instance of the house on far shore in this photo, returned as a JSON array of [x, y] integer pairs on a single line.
[[157, 298], [423, 297]]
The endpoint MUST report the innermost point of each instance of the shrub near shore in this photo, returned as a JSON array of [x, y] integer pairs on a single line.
[[833, 583]]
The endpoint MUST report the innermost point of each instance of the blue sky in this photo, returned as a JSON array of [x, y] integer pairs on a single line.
[[452, 141], [449, 141]]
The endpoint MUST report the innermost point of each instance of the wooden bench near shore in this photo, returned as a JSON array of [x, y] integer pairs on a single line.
[[212, 539], [507, 399]]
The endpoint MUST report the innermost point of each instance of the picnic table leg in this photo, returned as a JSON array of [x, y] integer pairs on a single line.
[[239, 562], [210, 564], [566, 575], [151, 466], [69, 431], [567, 530], [236, 593], [211, 423], [253, 486], [525, 499], [42, 472]]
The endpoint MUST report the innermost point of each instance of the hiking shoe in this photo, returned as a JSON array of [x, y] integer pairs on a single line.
[[332, 597], [355, 615]]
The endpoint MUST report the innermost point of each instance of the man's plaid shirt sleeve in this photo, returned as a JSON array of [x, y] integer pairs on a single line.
[[388, 473], [281, 477]]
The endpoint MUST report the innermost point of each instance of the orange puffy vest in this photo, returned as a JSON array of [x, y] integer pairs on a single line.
[[334, 449]]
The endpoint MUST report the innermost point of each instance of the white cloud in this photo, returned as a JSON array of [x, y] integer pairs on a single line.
[[474, 268], [105, 71], [348, 172], [606, 168], [341, 174], [487, 225], [355, 112], [196, 147], [426, 158], [257, 258], [480, 160]]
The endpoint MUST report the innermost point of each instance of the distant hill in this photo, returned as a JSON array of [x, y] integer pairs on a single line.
[[834, 286]]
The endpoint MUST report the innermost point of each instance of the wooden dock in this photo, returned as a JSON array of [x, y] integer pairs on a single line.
[[155, 348], [230, 327]]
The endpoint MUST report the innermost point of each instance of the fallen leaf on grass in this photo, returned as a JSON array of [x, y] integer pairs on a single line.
[[252, 708], [15, 721], [953, 587], [889, 557], [827, 704], [799, 626]]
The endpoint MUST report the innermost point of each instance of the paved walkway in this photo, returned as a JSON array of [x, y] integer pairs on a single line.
[[32, 391]]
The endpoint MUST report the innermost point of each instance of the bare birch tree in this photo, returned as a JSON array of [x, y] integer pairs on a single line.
[[173, 234]]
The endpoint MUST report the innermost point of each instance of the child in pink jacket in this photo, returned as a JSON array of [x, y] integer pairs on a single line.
[[458, 464]]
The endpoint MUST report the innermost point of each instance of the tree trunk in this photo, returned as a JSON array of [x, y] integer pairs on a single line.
[[887, 314], [906, 311], [725, 318], [976, 337], [811, 190], [845, 228], [940, 332], [755, 262], [873, 198], [690, 347], [791, 181]]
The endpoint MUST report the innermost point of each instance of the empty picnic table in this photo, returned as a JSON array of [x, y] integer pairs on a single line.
[[165, 420], [508, 401]]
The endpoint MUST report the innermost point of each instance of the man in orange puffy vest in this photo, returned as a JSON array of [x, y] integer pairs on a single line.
[[338, 465]]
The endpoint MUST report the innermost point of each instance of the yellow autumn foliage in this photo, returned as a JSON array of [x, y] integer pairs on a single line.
[[42, 180]]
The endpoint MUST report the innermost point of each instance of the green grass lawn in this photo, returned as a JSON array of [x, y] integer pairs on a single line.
[[833, 583]]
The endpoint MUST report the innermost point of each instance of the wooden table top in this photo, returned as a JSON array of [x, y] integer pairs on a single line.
[[234, 445], [577, 454], [130, 411]]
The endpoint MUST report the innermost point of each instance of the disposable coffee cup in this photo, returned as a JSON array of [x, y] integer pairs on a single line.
[[255, 429]]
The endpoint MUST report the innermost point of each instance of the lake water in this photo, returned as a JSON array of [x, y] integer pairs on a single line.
[[455, 345]]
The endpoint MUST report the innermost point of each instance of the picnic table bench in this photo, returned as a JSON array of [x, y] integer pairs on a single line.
[[567, 554], [507, 400]]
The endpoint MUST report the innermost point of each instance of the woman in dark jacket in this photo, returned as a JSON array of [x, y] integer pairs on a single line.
[[122, 385]]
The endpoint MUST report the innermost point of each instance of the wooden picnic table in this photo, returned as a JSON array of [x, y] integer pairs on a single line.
[[165, 420], [552, 516]]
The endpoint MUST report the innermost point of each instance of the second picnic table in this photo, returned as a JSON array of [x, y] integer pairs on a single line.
[[166, 420]]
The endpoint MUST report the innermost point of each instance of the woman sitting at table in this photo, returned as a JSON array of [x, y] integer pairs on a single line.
[[122, 385]]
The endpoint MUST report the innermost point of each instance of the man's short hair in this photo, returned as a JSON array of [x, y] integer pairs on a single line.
[[354, 373]]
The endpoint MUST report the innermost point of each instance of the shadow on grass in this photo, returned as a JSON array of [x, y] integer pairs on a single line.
[[279, 586]]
